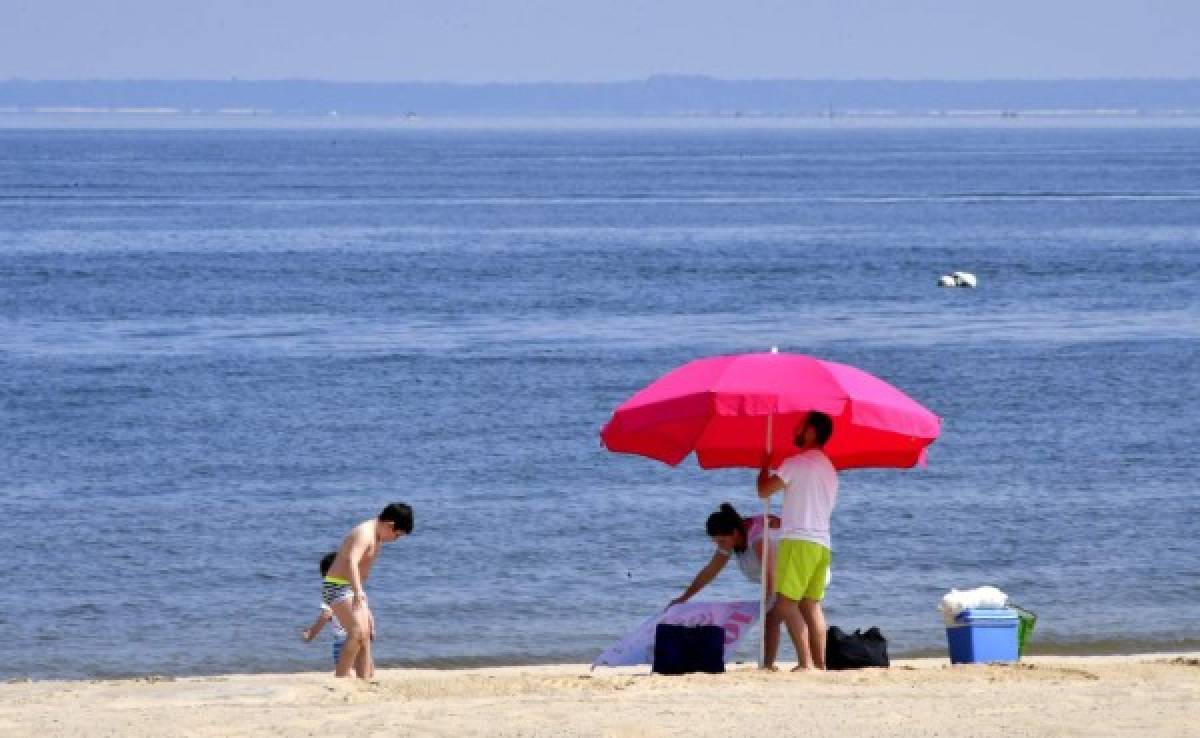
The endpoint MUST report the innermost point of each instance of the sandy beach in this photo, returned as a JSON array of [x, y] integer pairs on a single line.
[[1151, 694]]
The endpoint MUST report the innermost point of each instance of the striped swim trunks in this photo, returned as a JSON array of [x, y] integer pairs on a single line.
[[335, 589]]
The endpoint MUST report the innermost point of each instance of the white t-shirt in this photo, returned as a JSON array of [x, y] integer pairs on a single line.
[[809, 497]]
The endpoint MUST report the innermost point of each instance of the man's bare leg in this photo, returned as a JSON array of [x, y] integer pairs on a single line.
[[364, 666], [356, 635], [788, 611], [797, 630], [814, 619]]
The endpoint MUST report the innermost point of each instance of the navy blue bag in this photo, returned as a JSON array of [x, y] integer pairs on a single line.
[[683, 649]]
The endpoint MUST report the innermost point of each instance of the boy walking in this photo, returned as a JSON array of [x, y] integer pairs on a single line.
[[342, 589], [810, 484]]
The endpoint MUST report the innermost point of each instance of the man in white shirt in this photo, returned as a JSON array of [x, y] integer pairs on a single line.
[[809, 483]]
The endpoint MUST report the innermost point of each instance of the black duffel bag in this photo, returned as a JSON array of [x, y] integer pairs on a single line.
[[682, 649], [855, 650]]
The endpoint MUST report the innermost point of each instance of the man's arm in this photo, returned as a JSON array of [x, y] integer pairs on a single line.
[[354, 547], [768, 483], [364, 567]]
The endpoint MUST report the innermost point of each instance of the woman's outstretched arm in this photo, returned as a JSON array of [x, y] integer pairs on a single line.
[[706, 575]]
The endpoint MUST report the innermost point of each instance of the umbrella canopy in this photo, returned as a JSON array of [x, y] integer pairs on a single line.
[[722, 407]]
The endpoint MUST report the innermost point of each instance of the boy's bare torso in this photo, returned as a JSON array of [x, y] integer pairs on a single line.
[[363, 536]]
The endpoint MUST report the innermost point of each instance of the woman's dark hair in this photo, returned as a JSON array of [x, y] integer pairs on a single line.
[[725, 521], [399, 515], [822, 424], [327, 562]]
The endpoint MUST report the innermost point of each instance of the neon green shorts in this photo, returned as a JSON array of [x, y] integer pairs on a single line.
[[801, 570]]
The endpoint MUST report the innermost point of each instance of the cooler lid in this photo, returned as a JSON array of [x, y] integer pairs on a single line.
[[993, 616]]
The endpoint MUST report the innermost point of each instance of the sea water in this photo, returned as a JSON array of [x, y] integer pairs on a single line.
[[220, 349]]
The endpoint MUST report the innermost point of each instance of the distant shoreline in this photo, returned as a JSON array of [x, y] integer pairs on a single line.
[[93, 119], [658, 96]]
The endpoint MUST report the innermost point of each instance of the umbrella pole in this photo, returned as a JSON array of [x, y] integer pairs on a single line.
[[766, 559]]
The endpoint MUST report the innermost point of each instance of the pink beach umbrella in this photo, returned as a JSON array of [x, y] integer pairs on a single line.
[[731, 411]]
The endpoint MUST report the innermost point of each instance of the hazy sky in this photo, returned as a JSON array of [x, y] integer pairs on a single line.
[[584, 40]]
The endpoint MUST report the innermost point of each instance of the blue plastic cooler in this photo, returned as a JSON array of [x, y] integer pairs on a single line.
[[983, 636]]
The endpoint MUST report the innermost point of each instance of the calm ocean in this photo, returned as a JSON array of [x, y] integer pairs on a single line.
[[220, 349]]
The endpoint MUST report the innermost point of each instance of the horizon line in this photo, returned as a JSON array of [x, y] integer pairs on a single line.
[[643, 80]]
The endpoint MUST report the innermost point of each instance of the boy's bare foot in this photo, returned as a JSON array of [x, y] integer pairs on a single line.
[[770, 667], [801, 668]]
